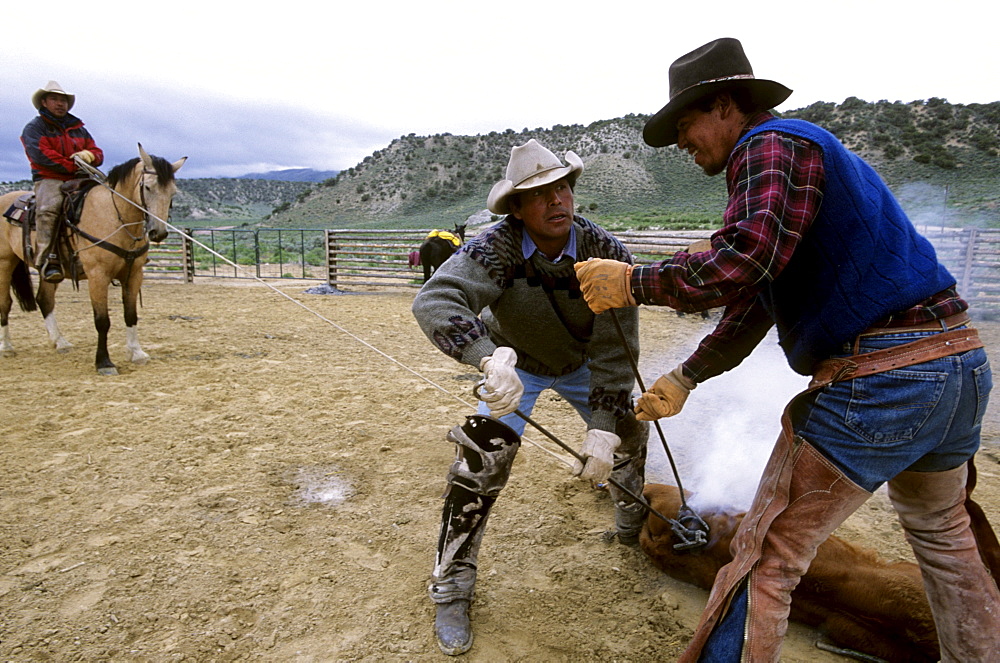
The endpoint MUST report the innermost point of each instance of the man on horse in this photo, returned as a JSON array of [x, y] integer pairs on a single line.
[[50, 141], [508, 303]]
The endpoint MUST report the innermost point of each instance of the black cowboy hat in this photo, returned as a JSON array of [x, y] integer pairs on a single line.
[[710, 68]]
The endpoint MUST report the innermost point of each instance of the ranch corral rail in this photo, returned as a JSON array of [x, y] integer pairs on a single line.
[[378, 258]]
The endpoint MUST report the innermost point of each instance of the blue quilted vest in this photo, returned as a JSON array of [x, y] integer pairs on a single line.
[[860, 261]]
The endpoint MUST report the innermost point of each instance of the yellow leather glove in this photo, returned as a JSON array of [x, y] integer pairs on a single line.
[[605, 283], [86, 155], [666, 398], [700, 246]]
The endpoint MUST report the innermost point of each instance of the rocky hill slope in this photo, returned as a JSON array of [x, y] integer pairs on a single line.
[[941, 159], [232, 200], [937, 156]]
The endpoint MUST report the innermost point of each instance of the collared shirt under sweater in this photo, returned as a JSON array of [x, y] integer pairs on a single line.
[[490, 294]]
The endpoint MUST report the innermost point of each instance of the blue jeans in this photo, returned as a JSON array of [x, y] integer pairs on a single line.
[[921, 418], [630, 457], [573, 387]]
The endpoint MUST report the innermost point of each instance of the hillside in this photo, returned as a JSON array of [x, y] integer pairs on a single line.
[[292, 175], [943, 160], [236, 200], [220, 201]]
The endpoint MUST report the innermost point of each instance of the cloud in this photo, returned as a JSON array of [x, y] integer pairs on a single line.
[[291, 84], [222, 137]]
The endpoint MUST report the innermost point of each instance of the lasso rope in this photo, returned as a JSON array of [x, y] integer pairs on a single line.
[[96, 174]]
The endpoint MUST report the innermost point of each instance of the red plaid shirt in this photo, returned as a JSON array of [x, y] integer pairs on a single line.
[[775, 183]]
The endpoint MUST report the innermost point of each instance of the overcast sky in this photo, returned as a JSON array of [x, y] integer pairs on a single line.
[[307, 84]]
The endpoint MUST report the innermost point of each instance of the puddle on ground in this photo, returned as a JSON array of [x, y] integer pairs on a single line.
[[320, 485]]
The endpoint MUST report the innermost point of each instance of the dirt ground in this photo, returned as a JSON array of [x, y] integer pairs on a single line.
[[268, 488]]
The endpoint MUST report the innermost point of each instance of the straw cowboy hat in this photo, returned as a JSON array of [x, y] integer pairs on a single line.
[[51, 88], [531, 165], [711, 68]]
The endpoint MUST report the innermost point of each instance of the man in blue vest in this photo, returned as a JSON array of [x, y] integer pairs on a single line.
[[814, 244]]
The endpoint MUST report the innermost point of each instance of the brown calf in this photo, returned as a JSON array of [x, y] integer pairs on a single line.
[[856, 599]]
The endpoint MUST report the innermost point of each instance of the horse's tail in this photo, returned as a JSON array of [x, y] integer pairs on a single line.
[[20, 283]]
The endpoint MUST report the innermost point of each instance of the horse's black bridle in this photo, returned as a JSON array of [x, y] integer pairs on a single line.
[[128, 255]]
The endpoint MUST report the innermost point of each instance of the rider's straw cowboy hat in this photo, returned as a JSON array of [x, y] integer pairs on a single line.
[[716, 66], [531, 165], [51, 88]]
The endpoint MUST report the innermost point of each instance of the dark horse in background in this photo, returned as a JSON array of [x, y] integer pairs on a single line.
[[438, 247]]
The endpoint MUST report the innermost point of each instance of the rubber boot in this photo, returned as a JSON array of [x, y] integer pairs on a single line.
[[463, 524], [963, 595], [630, 472]]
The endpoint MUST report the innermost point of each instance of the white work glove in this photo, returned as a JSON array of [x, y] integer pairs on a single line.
[[502, 389], [599, 451]]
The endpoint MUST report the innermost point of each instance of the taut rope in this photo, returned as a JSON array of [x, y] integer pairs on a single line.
[[99, 176]]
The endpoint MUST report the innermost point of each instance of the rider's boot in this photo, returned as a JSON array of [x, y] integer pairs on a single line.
[[50, 269], [453, 628], [46, 258]]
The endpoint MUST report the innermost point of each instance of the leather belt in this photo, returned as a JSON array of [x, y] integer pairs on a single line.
[[924, 349], [942, 324]]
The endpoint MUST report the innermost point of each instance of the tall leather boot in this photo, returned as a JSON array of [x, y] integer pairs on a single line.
[[485, 450], [48, 202], [963, 595]]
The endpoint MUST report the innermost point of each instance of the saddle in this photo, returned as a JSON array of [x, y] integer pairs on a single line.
[[446, 236], [21, 213]]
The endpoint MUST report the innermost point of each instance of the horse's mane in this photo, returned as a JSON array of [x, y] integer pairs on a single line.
[[164, 171]]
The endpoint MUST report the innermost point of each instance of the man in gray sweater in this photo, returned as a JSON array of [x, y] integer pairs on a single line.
[[508, 303]]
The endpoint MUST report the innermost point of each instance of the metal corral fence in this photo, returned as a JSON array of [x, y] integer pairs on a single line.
[[373, 258]]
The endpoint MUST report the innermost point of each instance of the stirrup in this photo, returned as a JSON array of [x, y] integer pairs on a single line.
[[51, 272]]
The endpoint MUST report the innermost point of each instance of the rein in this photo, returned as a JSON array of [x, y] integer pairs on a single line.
[[129, 256]]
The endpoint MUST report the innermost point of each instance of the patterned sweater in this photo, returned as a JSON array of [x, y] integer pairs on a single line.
[[487, 295]]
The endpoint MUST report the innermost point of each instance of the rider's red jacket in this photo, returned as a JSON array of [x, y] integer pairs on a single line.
[[49, 142]]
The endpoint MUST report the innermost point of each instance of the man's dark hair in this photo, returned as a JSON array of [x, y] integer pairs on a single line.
[[740, 95], [514, 199]]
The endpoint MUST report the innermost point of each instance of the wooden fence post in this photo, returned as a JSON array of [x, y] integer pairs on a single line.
[[187, 255]]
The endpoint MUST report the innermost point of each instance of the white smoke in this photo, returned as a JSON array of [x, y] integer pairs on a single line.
[[724, 436]]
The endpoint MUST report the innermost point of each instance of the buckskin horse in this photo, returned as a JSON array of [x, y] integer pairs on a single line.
[[438, 247], [110, 241]]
